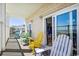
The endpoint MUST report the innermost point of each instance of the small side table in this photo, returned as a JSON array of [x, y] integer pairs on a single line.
[[39, 51]]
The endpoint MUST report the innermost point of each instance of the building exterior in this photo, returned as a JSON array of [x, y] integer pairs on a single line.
[[15, 31], [64, 18]]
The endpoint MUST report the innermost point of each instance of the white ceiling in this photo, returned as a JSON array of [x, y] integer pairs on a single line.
[[21, 9]]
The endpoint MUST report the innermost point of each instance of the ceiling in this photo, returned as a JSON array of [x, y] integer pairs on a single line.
[[21, 9]]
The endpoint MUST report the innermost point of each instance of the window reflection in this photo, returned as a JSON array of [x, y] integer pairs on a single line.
[[74, 27], [63, 27], [63, 24]]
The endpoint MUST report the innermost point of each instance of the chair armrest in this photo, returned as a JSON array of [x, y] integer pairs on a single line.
[[30, 40]]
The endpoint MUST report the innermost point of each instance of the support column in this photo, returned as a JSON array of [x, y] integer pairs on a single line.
[[7, 27], [3, 26]]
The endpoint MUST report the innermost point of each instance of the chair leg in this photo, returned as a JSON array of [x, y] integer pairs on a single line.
[[33, 51], [32, 47]]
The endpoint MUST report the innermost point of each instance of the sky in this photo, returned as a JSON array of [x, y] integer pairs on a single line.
[[63, 19], [16, 21]]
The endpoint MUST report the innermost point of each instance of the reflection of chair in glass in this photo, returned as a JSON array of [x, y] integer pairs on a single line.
[[62, 46], [36, 43]]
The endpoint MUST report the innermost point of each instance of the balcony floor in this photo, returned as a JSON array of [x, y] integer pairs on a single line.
[[12, 48]]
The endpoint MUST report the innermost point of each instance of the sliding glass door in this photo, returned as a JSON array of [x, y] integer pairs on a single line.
[[66, 23]]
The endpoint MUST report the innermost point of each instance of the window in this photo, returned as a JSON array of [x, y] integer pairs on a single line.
[[63, 24]]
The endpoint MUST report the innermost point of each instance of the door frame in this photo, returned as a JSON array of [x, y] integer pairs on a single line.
[[67, 9]]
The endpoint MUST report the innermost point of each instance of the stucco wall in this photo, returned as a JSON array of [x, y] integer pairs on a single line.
[[37, 26]]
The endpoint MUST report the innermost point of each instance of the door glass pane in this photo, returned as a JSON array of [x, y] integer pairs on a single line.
[[49, 31], [63, 24], [74, 27]]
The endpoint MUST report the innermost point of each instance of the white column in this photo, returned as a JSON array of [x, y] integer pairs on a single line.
[[7, 27], [44, 31], [0, 35], [3, 26], [0, 28]]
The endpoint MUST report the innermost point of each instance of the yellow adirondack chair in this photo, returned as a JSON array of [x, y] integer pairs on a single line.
[[36, 43]]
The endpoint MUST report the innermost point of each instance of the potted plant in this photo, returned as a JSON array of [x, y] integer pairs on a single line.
[[24, 38]]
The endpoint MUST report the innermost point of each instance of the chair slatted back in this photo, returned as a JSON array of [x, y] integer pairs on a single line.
[[54, 46], [62, 46]]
